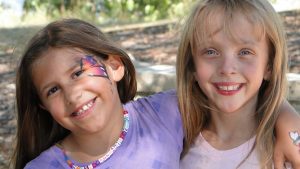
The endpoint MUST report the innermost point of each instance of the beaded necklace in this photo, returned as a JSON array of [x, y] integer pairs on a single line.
[[112, 149]]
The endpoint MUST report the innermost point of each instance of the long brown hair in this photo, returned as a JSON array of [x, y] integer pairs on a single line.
[[193, 102], [37, 130]]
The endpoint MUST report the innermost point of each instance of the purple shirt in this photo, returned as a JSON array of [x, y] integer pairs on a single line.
[[153, 141]]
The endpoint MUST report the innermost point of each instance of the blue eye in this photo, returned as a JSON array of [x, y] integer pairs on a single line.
[[210, 52], [245, 52], [52, 90]]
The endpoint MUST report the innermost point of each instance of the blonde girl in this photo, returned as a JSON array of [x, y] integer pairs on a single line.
[[231, 81]]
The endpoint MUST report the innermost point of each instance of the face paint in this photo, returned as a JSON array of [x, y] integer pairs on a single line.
[[92, 67], [296, 138]]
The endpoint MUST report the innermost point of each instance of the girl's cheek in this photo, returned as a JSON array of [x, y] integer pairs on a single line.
[[252, 69], [55, 105]]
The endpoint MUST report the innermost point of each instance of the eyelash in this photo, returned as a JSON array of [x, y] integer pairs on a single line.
[[214, 52], [210, 52], [55, 88], [50, 91], [245, 50], [77, 73]]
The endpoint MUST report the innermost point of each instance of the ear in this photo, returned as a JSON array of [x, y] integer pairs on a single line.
[[116, 67]]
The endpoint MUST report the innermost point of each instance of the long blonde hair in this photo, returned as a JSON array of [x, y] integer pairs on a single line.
[[193, 103]]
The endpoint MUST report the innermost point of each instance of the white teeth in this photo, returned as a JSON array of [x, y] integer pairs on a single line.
[[229, 88], [222, 87], [83, 109]]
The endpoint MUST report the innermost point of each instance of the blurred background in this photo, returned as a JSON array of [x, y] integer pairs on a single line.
[[102, 12], [148, 29]]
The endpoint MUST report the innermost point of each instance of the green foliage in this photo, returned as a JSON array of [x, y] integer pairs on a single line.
[[54, 9], [110, 11], [145, 10]]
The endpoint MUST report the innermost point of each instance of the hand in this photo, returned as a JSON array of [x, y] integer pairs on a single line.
[[286, 148]]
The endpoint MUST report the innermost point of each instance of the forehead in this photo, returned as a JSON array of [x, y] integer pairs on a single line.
[[59, 57], [54, 63], [239, 27], [57, 60]]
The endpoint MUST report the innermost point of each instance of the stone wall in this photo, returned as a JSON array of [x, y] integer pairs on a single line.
[[292, 24], [7, 116]]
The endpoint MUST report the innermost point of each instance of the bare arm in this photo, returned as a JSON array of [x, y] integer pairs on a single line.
[[287, 146]]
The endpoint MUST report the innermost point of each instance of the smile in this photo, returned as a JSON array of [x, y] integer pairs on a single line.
[[85, 108], [228, 88]]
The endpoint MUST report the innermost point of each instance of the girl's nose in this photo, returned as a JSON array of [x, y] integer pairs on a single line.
[[228, 65], [72, 94]]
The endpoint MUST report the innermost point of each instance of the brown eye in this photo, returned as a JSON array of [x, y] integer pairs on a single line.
[[52, 91], [77, 74]]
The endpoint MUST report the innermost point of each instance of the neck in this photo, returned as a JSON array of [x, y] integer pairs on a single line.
[[91, 146], [229, 130]]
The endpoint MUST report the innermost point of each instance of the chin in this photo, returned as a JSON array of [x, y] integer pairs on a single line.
[[228, 110]]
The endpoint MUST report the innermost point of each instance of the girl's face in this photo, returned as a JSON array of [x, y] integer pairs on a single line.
[[230, 69], [78, 90]]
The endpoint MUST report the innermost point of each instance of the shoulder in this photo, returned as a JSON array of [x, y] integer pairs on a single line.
[[168, 98], [171, 95], [160, 111], [158, 105], [50, 159]]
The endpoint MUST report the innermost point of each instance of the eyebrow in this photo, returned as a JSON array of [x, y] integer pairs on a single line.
[[42, 90], [76, 64], [72, 67], [240, 40]]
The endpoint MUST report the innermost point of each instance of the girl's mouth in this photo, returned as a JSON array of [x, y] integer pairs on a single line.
[[84, 108], [228, 88]]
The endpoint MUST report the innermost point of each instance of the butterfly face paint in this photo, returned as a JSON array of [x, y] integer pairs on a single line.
[[296, 138], [92, 67]]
